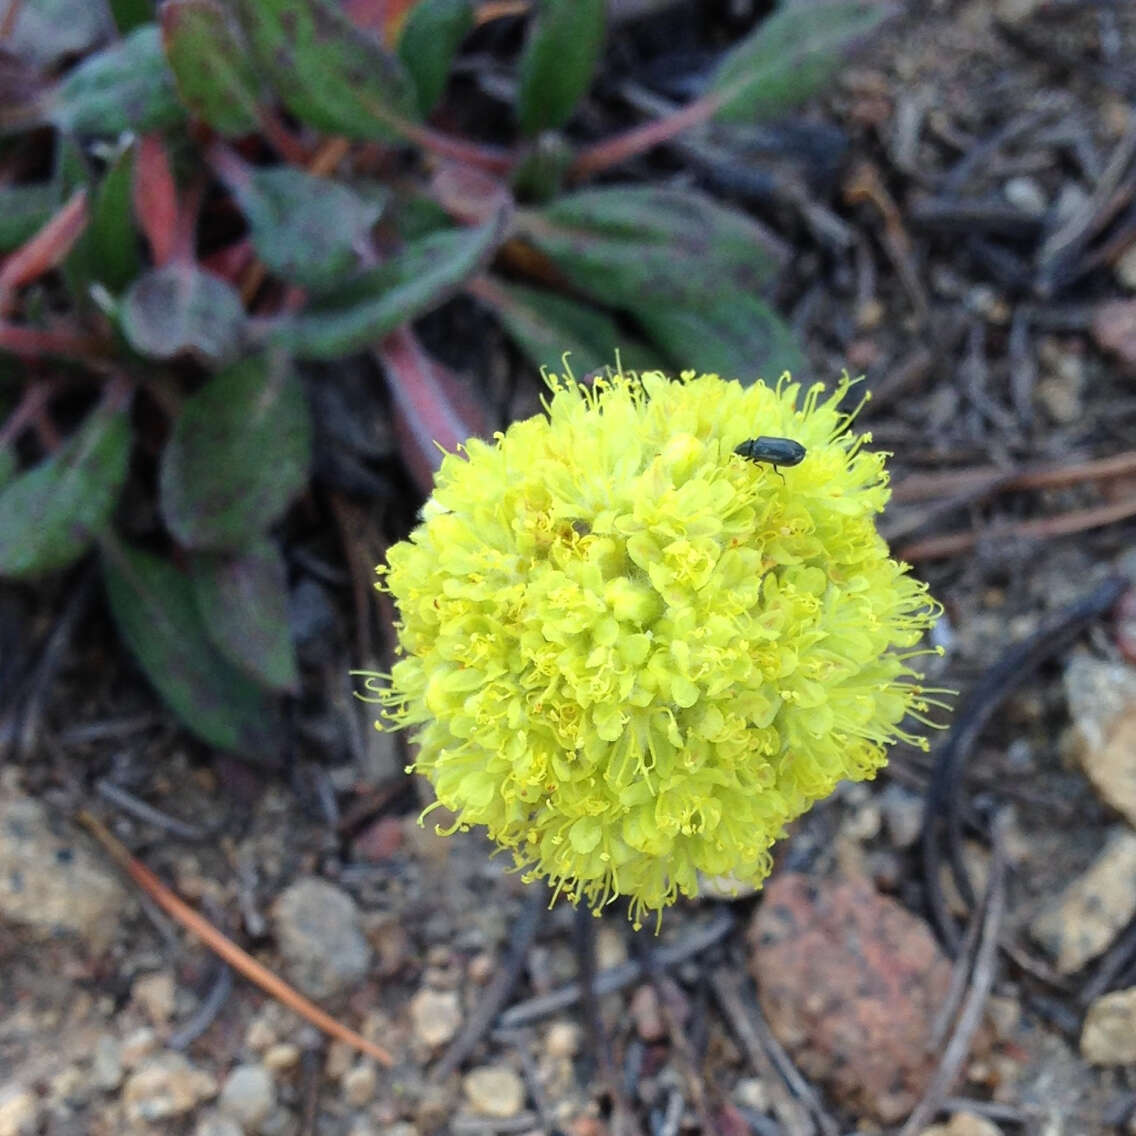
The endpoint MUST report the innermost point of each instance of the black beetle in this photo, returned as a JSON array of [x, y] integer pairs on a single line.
[[775, 451]]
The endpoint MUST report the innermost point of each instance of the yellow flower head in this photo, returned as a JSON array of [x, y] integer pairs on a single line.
[[634, 655]]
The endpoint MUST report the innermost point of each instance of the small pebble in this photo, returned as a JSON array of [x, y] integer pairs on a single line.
[[216, 1124], [163, 1086], [436, 1016], [319, 930], [752, 1093], [647, 1014], [19, 1111], [260, 1036], [359, 1084], [1125, 268], [248, 1095], [1109, 1034], [279, 1122], [1094, 908], [964, 1124], [340, 1057], [106, 1062], [481, 968], [281, 1057], [1025, 194], [562, 1039], [611, 947], [137, 1046], [494, 1090], [155, 995]]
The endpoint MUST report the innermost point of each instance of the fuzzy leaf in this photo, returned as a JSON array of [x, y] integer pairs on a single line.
[[182, 308], [736, 335], [157, 616], [243, 601], [111, 241], [239, 452], [130, 14], [546, 325], [687, 268], [329, 73], [49, 515], [8, 465], [24, 209], [126, 86], [431, 36], [563, 47], [306, 229], [790, 56], [214, 76], [378, 301]]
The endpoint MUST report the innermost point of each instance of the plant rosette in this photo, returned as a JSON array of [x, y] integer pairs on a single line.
[[634, 655]]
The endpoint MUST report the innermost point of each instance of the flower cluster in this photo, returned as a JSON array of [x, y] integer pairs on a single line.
[[634, 655]]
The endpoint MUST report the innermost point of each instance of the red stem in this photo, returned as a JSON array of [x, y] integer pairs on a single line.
[[611, 152]]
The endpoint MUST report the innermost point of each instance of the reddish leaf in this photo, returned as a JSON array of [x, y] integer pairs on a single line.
[[155, 199], [46, 249], [427, 407], [243, 601]]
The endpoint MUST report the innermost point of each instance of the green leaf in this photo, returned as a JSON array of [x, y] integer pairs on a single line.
[[182, 308], [688, 269], [546, 325], [431, 36], [735, 335], [790, 56], [130, 14], [111, 240], [239, 452], [376, 302], [23, 210], [305, 229], [156, 613], [49, 515], [563, 47], [329, 73], [209, 59], [126, 86], [243, 601], [8, 465]]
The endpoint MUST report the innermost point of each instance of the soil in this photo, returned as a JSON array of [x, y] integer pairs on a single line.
[[940, 202]]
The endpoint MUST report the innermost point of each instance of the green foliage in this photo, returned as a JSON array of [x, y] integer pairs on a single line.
[[243, 600], [791, 56], [202, 273], [127, 86], [50, 514], [23, 210], [430, 38], [326, 71], [287, 211], [215, 77], [239, 453], [547, 324], [110, 245], [183, 309], [373, 304], [686, 268], [156, 611], [564, 45]]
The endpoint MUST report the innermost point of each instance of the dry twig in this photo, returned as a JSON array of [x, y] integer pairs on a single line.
[[239, 959]]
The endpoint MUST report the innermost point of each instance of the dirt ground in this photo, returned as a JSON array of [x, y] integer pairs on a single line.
[[962, 206]]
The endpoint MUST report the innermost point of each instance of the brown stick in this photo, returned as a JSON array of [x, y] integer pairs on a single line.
[[1079, 520], [926, 486], [237, 958]]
